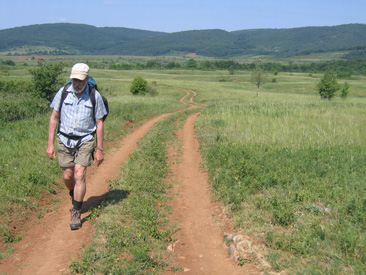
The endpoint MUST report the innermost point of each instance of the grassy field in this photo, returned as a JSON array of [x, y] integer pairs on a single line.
[[288, 166], [25, 172]]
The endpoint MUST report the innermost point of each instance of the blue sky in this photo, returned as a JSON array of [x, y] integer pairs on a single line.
[[182, 15]]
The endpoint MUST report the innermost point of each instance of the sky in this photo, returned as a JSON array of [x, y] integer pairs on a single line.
[[182, 15]]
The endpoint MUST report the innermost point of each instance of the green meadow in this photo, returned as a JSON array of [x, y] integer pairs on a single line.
[[288, 168]]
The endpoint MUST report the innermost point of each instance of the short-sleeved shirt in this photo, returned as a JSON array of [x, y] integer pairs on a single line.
[[77, 115]]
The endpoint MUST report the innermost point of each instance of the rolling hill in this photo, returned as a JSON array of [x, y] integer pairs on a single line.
[[70, 38], [67, 38]]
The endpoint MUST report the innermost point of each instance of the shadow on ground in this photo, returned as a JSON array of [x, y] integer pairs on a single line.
[[109, 198]]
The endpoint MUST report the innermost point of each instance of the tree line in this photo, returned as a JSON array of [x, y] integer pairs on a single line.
[[21, 99], [343, 68]]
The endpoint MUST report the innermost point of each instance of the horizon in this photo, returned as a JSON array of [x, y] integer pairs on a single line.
[[178, 15], [185, 30]]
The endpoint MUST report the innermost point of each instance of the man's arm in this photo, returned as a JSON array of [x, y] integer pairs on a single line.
[[100, 136], [51, 153]]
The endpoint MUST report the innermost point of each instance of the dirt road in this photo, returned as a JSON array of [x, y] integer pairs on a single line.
[[49, 245], [198, 248]]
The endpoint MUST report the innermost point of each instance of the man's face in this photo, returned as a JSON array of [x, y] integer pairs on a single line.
[[79, 85]]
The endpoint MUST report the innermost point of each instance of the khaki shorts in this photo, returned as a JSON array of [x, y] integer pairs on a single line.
[[68, 157]]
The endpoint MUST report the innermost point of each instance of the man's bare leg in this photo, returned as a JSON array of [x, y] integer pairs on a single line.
[[79, 193]]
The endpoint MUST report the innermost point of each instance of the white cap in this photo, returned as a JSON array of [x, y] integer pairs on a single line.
[[79, 71]]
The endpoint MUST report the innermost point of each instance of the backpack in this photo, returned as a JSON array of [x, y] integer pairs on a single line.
[[92, 87]]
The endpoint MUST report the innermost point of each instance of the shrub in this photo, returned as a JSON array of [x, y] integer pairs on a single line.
[[345, 90], [17, 103], [47, 79], [139, 86], [17, 110], [12, 87], [258, 78], [8, 62], [328, 85]]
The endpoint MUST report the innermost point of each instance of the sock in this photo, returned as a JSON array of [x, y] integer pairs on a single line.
[[77, 205], [71, 193]]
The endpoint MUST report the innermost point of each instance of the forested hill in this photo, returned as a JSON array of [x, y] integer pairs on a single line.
[[66, 38], [69, 38]]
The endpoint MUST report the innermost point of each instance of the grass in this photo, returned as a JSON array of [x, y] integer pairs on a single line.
[[25, 172], [288, 166], [290, 169], [132, 231]]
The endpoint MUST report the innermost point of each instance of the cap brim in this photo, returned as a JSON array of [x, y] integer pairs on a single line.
[[78, 76]]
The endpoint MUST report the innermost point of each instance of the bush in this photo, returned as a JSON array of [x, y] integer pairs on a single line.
[[47, 79], [328, 85], [16, 102], [17, 110], [139, 86], [12, 87], [8, 62], [345, 90]]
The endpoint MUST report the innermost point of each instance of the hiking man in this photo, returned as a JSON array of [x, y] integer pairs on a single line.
[[78, 121]]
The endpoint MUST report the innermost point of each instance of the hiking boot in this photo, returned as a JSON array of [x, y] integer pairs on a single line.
[[75, 222]]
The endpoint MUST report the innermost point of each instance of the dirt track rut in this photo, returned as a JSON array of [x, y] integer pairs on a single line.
[[49, 245]]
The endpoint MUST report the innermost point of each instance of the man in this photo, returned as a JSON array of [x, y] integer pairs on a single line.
[[75, 136]]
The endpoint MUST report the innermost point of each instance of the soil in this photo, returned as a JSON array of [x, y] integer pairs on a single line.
[[198, 246], [49, 244]]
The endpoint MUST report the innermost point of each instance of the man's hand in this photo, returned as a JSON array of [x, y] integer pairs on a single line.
[[51, 153], [98, 158]]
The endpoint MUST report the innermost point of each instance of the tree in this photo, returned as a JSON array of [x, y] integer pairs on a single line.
[[328, 85], [139, 86], [170, 65], [8, 62], [152, 64], [47, 79], [345, 90], [231, 70], [258, 78], [191, 64]]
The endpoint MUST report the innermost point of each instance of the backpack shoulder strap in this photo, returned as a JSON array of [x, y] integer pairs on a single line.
[[92, 97], [63, 97]]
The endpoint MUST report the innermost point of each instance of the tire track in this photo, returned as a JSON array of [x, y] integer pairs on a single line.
[[198, 248], [49, 245]]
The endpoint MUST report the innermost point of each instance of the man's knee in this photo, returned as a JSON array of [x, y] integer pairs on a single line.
[[80, 173], [68, 174]]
